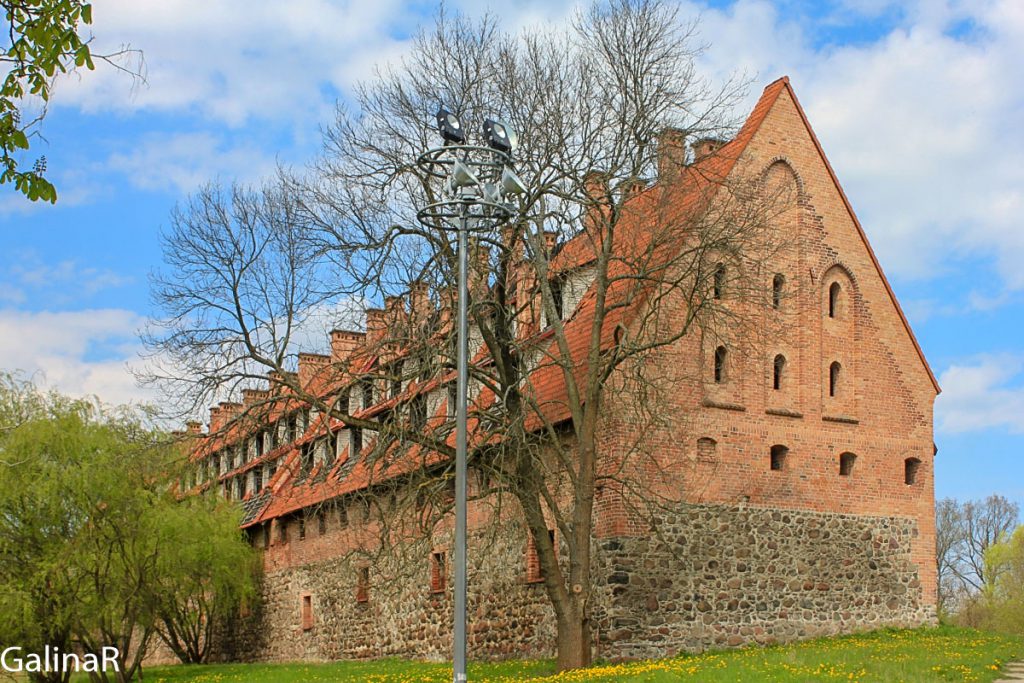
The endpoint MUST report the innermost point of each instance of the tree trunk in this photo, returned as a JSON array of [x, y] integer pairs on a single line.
[[573, 640]]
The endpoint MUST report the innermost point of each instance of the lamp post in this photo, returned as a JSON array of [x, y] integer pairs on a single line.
[[476, 181]]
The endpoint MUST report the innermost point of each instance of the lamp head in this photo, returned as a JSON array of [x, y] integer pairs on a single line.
[[450, 127], [500, 136], [462, 176], [510, 182]]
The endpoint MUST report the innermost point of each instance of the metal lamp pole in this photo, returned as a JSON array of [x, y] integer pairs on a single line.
[[477, 180]]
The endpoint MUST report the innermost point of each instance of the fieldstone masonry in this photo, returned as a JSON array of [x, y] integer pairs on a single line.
[[715, 576]]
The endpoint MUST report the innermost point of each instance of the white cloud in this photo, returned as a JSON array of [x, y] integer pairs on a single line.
[[184, 161], [983, 395], [80, 353], [920, 125]]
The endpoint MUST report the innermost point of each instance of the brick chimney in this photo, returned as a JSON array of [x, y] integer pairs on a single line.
[[229, 411], [311, 366], [419, 302], [376, 326], [632, 187], [705, 147], [344, 343], [251, 397], [595, 185], [194, 427], [671, 153], [215, 419]]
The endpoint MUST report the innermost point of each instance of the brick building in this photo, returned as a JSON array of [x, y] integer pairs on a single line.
[[807, 457]]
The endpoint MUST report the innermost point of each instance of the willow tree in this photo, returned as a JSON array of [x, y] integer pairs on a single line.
[[619, 248]]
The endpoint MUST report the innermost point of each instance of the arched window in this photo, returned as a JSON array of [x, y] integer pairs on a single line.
[[718, 285], [834, 292], [777, 283], [846, 461], [833, 378], [720, 354], [778, 370], [910, 467], [778, 454], [706, 448]]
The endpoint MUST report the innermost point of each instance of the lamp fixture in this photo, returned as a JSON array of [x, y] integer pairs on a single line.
[[450, 127], [500, 136]]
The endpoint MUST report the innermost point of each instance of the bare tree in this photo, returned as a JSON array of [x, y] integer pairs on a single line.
[[580, 297], [964, 532]]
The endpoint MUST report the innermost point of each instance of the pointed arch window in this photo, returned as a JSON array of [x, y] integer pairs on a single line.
[[720, 358], [778, 283], [835, 291], [834, 371], [718, 284], [778, 371]]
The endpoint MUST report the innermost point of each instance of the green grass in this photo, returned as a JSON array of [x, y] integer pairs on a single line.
[[936, 654]]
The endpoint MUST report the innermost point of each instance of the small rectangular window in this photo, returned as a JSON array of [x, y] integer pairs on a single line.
[[307, 612], [356, 439], [302, 528], [363, 584], [266, 535], [438, 575], [343, 515], [321, 522]]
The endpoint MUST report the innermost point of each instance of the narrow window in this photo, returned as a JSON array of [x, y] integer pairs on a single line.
[[364, 507], [275, 438], [266, 535], [720, 354], [292, 429], [282, 531], [396, 380], [307, 612], [367, 393], [438, 578], [332, 448], [240, 487], [777, 283], [778, 455], [307, 458], [302, 527], [418, 412], [778, 370], [718, 284], [453, 397], [557, 297], [321, 522], [260, 436], [846, 461], [910, 468], [257, 480], [534, 573], [834, 291], [356, 439], [273, 470], [833, 378], [706, 449], [343, 514], [363, 584]]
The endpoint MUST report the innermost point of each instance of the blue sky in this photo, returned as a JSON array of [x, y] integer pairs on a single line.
[[918, 105]]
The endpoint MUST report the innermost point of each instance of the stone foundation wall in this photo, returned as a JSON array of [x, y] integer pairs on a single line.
[[715, 576], [711, 576], [402, 617]]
